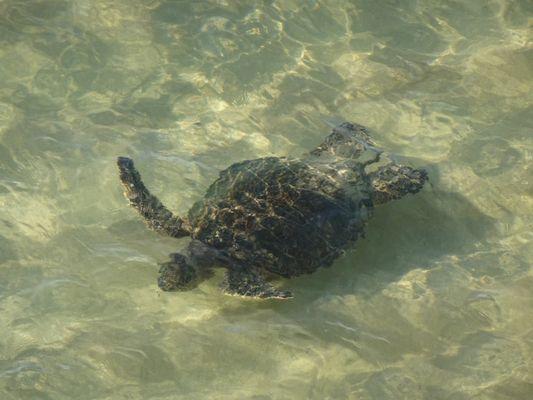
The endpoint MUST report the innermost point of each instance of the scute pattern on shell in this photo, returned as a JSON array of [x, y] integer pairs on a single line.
[[285, 216]]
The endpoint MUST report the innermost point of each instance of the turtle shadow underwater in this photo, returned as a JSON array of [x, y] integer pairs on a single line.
[[408, 234], [343, 305], [413, 232]]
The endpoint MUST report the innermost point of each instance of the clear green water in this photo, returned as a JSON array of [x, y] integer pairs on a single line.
[[436, 302]]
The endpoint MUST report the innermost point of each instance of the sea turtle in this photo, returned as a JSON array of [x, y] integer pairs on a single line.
[[276, 215]]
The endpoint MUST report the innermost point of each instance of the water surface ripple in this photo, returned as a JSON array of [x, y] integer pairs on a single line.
[[435, 303]]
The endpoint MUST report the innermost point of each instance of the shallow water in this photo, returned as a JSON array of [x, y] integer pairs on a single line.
[[435, 303]]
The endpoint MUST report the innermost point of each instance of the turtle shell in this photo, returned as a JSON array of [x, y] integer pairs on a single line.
[[286, 216]]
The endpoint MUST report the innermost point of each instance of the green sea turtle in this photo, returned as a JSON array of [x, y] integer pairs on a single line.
[[276, 215]]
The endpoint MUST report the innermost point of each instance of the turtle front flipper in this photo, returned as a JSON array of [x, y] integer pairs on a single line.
[[156, 215], [248, 282]]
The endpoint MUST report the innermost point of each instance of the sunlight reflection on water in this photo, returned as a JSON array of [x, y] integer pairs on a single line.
[[434, 303]]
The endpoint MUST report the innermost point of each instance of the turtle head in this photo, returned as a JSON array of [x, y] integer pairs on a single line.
[[177, 274], [348, 141], [186, 272]]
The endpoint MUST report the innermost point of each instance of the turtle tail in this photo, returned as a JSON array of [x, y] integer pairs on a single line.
[[156, 215]]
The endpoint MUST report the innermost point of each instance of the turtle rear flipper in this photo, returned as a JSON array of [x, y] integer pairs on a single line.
[[393, 181], [349, 141], [156, 215], [248, 282]]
